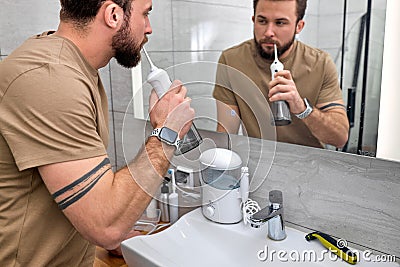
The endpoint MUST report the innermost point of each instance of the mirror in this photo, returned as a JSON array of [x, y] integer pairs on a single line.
[[352, 32], [359, 63]]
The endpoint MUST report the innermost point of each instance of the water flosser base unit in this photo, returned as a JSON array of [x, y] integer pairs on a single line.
[[220, 185]]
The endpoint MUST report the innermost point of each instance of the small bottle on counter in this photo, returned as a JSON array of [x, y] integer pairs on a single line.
[[164, 202], [151, 210], [173, 199]]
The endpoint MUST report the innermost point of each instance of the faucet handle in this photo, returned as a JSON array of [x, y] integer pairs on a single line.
[[276, 197]]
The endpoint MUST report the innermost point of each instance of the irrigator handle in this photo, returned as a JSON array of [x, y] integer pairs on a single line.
[[160, 81], [158, 78], [280, 108]]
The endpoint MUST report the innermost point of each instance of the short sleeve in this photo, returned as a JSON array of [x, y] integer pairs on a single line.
[[49, 116], [330, 90], [222, 91]]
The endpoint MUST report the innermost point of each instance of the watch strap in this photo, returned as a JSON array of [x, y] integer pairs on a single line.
[[156, 132], [306, 112]]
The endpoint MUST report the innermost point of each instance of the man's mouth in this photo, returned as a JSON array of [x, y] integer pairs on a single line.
[[145, 40]]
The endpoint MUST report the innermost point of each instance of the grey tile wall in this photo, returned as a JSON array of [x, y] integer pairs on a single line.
[[22, 19], [161, 23]]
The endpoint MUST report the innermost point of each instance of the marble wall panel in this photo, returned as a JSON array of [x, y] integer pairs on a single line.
[[348, 196]]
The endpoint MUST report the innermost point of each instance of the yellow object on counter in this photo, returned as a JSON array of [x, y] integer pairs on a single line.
[[339, 247]]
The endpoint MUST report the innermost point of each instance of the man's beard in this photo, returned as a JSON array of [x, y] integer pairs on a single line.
[[127, 49], [271, 56]]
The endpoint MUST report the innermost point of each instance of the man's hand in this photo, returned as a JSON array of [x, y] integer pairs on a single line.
[[330, 126], [284, 88], [172, 110]]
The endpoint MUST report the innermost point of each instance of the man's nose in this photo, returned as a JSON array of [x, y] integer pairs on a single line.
[[269, 30]]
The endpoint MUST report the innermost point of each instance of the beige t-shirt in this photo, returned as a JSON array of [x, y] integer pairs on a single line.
[[245, 84], [53, 109]]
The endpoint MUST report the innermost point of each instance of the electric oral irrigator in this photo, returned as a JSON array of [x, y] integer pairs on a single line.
[[160, 81], [280, 108]]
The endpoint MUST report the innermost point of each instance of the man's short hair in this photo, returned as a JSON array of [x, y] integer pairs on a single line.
[[301, 7], [81, 12]]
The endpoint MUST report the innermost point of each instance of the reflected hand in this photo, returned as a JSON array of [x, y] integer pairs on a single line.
[[284, 88]]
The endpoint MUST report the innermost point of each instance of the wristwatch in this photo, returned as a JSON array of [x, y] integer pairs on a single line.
[[167, 136], [306, 112]]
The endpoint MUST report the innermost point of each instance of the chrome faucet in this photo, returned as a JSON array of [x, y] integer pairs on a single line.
[[273, 214]]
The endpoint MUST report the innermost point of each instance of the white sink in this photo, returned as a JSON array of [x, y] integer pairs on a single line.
[[195, 241]]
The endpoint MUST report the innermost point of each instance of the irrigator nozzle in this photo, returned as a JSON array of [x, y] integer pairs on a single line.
[[276, 52], [152, 66]]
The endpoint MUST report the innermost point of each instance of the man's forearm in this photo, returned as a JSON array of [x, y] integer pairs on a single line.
[[136, 184], [150, 165], [329, 127]]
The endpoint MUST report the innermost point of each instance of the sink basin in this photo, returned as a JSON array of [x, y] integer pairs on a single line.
[[195, 241]]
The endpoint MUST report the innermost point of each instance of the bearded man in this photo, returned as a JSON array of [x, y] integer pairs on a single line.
[[59, 196], [308, 84]]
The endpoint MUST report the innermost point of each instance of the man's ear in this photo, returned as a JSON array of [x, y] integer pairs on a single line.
[[113, 15], [300, 26]]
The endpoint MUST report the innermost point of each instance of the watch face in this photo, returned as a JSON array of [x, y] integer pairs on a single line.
[[168, 135]]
